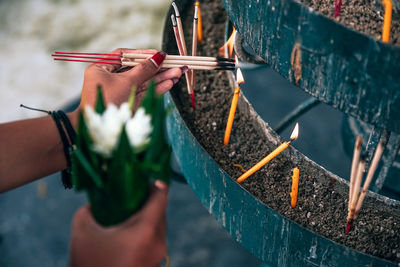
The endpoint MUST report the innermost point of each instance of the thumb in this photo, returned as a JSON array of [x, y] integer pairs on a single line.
[[147, 69]]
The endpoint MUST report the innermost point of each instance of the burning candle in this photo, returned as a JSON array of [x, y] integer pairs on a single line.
[[272, 155], [239, 80], [295, 187], [200, 24], [387, 20]]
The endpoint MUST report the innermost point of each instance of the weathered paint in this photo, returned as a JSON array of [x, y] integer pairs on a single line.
[[271, 237], [341, 67]]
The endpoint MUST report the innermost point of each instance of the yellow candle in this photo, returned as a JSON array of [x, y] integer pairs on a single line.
[[199, 25], [231, 115], [264, 161], [295, 187], [387, 20]]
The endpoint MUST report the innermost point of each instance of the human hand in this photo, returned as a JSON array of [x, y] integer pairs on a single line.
[[139, 241], [117, 85]]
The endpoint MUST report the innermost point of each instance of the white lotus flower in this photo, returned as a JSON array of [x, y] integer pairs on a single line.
[[139, 128], [105, 129]]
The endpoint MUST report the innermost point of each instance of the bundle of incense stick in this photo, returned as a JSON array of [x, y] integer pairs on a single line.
[[355, 198], [132, 59]]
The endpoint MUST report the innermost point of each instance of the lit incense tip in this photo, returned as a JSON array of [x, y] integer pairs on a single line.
[[295, 132]]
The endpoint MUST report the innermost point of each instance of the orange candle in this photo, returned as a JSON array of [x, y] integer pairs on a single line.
[[240, 80], [271, 155], [295, 187], [387, 20], [200, 24], [264, 161]]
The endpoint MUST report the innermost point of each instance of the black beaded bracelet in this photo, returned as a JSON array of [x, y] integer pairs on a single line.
[[67, 147], [68, 126], [61, 119]]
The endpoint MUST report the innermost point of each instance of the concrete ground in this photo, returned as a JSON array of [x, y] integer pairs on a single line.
[[35, 219]]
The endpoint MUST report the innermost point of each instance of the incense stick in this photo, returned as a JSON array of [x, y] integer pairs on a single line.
[[183, 43], [356, 190], [176, 33], [89, 61], [130, 63], [370, 174], [191, 67], [146, 55], [354, 167], [338, 7], [143, 55], [168, 61], [194, 51], [180, 28], [78, 56], [185, 62], [80, 53]]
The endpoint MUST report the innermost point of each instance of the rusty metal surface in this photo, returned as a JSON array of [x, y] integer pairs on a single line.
[[341, 67]]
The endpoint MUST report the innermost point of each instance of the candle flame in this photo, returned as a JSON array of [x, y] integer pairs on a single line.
[[295, 132], [239, 76], [228, 45]]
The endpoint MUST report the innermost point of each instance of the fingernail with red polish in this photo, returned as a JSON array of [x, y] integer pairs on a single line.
[[160, 185], [175, 80], [158, 58], [184, 69]]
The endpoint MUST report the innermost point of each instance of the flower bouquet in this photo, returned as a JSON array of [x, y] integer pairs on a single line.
[[117, 155]]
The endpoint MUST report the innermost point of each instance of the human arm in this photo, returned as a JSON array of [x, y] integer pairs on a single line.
[[31, 149]]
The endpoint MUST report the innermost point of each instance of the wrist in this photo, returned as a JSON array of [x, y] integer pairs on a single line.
[[73, 117]]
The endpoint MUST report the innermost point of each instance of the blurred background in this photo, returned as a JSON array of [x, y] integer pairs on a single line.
[[35, 219]]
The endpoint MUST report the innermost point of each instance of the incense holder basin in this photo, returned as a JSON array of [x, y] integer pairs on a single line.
[[271, 237], [346, 69], [341, 67]]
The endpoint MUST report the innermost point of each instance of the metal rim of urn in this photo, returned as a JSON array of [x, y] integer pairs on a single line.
[[265, 233]]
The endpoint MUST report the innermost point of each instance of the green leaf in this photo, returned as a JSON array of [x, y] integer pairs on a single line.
[[100, 104], [88, 168], [132, 97], [149, 100], [84, 142], [127, 183], [116, 170], [158, 140]]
